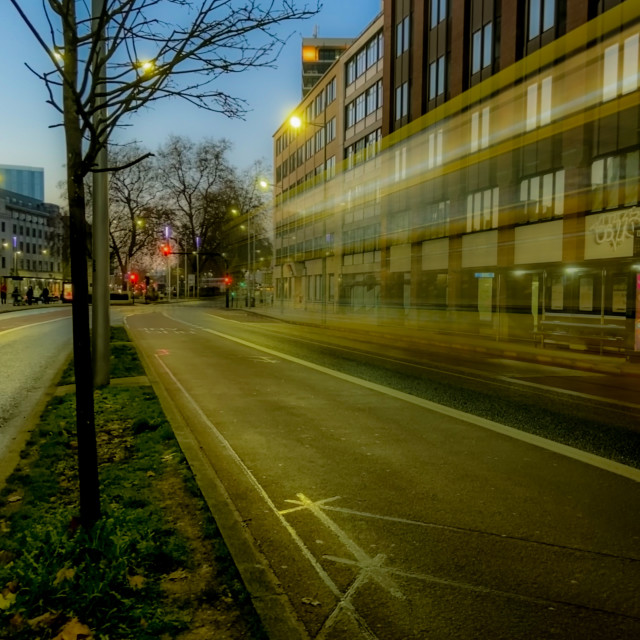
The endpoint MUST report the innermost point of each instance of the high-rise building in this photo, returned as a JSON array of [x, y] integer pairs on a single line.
[[27, 181], [318, 54]]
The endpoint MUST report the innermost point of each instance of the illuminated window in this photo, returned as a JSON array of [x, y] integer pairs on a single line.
[[620, 78], [539, 104], [480, 129], [434, 153], [614, 181], [543, 196], [482, 209]]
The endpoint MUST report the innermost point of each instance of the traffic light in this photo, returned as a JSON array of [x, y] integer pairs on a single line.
[[166, 250], [228, 280], [133, 278]]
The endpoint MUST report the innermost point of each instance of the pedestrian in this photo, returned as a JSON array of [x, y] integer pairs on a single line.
[[45, 295], [29, 295], [15, 294], [3, 293]]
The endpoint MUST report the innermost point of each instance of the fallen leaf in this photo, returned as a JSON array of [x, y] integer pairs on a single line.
[[312, 601], [7, 599], [47, 619], [74, 630], [64, 574], [180, 574], [136, 582]]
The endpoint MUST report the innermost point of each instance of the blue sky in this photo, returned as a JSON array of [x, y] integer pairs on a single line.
[[25, 118]]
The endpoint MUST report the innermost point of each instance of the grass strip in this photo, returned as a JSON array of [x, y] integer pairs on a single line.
[[153, 567]]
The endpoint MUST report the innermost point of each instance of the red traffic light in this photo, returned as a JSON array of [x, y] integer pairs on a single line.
[[228, 280], [166, 250], [133, 278]]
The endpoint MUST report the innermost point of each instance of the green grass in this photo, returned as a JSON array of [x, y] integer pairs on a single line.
[[113, 578]]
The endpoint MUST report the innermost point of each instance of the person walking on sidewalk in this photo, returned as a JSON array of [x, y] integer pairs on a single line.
[[30, 295], [3, 293]]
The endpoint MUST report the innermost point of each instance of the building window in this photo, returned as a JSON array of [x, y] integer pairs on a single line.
[[319, 103], [375, 50], [614, 181], [331, 92], [402, 100], [438, 11], [351, 71], [434, 154], [482, 210], [331, 167], [319, 139], [403, 29], [542, 16], [350, 114], [543, 196], [482, 48], [539, 104], [620, 78], [361, 107], [480, 129], [437, 78], [374, 97], [361, 62], [331, 130]]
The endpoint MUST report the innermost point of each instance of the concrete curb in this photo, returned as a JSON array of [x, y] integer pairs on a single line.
[[269, 600]]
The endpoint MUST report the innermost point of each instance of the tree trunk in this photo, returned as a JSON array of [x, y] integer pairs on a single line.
[[85, 417]]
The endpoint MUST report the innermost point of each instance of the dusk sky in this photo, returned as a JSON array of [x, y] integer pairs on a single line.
[[25, 118]]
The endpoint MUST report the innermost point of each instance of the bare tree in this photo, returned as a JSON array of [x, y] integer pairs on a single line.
[[98, 78], [200, 187], [135, 216]]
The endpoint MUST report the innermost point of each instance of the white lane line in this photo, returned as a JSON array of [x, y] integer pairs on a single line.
[[324, 576], [368, 565], [523, 436], [33, 324]]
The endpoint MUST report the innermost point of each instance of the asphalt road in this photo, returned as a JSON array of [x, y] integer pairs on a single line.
[[383, 514], [34, 343]]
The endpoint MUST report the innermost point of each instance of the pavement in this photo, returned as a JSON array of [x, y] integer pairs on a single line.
[[269, 595]]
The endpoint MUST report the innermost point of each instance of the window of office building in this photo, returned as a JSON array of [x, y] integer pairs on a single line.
[[482, 48], [350, 114], [361, 62], [403, 29], [438, 11], [330, 91], [437, 78], [482, 209], [375, 50], [361, 107], [614, 181], [538, 103], [319, 137], [331, 130], [542, 196], [620, 68], [434, 151], [480, 129], [542, 16], [402, 100]]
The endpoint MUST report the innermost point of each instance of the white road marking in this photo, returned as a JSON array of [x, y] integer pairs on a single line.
[[556, 447], [33, 324], [324, 576]]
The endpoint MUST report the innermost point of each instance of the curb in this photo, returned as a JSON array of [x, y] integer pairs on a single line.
[[269, 600]]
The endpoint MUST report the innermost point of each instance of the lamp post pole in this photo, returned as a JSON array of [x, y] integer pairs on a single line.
[[100, 290]]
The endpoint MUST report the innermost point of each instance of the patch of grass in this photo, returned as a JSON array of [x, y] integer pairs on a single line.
[[123, 361], [153, 563]]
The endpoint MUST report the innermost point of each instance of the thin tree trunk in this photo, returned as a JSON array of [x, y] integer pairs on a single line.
[[85, 417]]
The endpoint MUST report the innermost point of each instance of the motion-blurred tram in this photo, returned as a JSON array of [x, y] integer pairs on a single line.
[[510, 211]]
